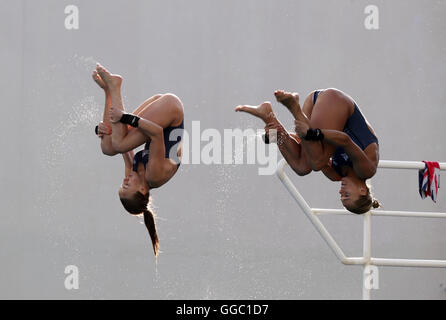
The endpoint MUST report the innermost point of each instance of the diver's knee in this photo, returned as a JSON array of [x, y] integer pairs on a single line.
[[299, 169], [109, 152], [318, 165], [118, 148], [155, 97], [172, 99]]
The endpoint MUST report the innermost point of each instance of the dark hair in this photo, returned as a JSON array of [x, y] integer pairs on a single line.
[[140, 204], [364, 203]]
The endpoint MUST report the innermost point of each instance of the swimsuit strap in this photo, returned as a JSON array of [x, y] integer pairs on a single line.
[[315, 95]]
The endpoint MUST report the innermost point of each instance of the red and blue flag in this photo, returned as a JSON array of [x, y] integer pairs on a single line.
[[429, 180]]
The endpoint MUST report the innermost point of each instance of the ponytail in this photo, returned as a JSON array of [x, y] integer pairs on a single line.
[[149, 221], [375, 204], [139, 204]]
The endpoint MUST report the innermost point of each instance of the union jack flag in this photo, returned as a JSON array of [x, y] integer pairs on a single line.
[[429, 180]]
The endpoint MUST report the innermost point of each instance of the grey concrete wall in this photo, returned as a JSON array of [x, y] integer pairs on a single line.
[[225, 231]]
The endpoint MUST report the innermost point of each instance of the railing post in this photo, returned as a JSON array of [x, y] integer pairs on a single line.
[[367, 248]]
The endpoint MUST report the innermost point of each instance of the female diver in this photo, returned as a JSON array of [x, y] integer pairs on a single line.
[[157, 122], [332, 135]]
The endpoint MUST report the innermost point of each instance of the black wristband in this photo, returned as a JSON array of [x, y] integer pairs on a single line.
[[265, 138], [96, 130], [314, 135], [130, 119]]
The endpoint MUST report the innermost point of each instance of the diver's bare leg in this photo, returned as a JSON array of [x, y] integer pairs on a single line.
[[289, 145], [114, 82], [314, 149], [106, 140]]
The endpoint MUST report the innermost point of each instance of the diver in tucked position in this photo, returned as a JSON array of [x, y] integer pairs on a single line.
[[158, 123], [331, 135]]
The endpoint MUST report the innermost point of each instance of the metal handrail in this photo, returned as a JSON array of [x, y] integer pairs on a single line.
[[366, 260]]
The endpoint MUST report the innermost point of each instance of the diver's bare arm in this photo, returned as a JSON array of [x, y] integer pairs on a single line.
[[128, 162], [134, 137], [318, 152], [132, 140], [331, 173], [146, 130], [362, 165], [150, 129], [291, 149]]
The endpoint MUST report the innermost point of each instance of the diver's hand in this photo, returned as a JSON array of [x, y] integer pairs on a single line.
[[103, 129]]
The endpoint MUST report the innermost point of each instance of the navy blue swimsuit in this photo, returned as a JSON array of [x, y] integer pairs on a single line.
[[143, 155], [357, 129]]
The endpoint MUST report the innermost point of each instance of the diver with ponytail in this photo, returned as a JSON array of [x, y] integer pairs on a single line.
[[158, 124]]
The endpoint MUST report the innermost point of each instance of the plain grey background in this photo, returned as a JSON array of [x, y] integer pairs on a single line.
[[225, 231]]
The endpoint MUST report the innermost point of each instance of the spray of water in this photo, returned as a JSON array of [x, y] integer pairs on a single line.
[[63, 143]]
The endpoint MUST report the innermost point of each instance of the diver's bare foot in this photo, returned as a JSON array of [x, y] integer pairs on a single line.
[[97, 78], [263, 111], [289, 100], [113, 81]]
